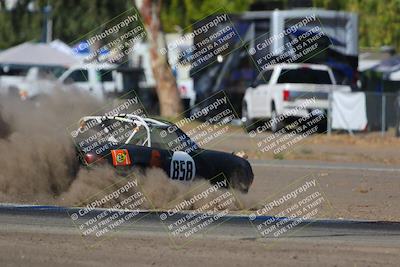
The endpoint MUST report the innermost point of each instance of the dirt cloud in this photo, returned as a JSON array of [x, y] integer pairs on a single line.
[[37, 157], [38, 163]]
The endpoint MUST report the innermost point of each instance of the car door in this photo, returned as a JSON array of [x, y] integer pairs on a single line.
[[178, 150], [78, 78], [106, 78], [85, 80], [164, 152]]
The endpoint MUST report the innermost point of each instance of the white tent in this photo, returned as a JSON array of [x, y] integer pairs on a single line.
[[37, 54]]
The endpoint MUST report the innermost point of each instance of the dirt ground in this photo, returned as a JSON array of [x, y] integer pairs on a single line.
[[350, 194], [66, 249], [339, 147], [353, 194], [356, 194]]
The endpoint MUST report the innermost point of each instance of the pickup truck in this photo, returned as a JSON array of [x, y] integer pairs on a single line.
[[97, 79], [288, 91]]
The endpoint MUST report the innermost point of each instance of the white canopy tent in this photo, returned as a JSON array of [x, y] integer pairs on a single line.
[[37, 54]]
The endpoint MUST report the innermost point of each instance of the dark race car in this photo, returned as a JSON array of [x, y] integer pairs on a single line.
[[129, 142]]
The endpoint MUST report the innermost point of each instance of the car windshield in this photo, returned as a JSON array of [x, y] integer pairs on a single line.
[[94, 134], [304, 75], [120, 132], [171, 138]]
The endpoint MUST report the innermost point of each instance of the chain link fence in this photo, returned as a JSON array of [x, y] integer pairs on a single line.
[[382, 111]]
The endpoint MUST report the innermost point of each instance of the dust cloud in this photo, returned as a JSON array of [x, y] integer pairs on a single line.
[[37, 156], [38, 162], [160, 192]]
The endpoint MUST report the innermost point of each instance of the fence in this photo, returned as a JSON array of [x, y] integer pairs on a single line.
[[382, 110]]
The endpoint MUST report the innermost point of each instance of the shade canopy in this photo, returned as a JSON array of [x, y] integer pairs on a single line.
[[36, 54]]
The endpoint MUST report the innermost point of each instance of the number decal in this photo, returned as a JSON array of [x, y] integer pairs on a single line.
[[175, 167], [182, 167]]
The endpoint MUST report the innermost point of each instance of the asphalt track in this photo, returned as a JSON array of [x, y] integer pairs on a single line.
[[47, 236], [317, 165], [57, 219]]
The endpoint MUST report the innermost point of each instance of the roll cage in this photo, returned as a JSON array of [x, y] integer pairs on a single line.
[[138, 121]]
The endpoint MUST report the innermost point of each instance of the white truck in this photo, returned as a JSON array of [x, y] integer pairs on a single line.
[[285, 92], [28, 81], [96, 79], [38, 81], [10, 78]]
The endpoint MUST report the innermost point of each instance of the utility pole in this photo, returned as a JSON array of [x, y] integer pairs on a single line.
[[47, 24]]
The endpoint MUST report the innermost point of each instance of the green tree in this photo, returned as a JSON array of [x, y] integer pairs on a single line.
[[379, 21], [17, 25], [160, 17], [72, 19], [184, 13]]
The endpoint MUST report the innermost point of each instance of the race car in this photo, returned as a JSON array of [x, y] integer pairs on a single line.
[[128, 142]]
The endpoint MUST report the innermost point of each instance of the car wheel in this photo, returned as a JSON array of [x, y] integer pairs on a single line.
[[275, 124], [247, 122], [239, 181]]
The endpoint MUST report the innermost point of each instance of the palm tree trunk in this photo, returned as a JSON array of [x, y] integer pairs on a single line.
[[167, 91]]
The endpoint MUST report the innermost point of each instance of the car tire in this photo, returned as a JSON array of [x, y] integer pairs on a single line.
[[247, 122], [275, 125], [236, 181]]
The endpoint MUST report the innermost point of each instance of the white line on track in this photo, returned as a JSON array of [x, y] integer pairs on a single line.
[[323, 166]]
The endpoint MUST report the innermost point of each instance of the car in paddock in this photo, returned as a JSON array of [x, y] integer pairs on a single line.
[[129, 142]]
